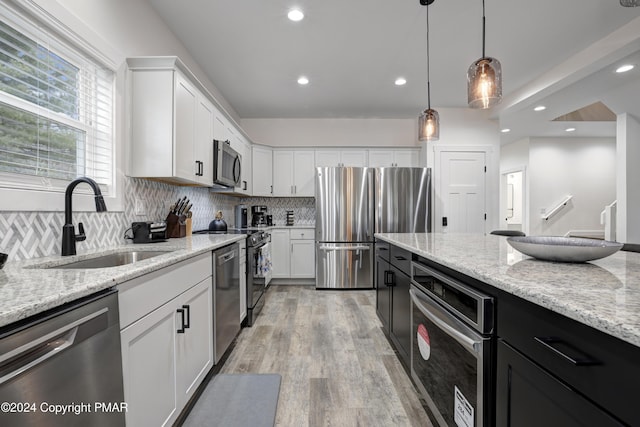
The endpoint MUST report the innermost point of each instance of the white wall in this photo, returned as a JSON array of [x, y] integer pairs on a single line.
[[132, 28], [582, 167], [464, 129], [514, 156], [628, 179]]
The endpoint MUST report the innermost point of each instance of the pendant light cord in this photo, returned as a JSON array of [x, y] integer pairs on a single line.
[[483, 30], [428, 76]]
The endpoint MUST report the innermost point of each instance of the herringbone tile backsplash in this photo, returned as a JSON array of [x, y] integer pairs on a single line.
[[25, 235]]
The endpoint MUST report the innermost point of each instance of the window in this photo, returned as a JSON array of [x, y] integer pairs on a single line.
[[56, 109]]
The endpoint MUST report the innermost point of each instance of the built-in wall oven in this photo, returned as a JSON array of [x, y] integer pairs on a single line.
[[452, 344], [258, 272]]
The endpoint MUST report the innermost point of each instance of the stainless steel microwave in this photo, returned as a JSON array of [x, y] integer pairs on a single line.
[[227, 164]]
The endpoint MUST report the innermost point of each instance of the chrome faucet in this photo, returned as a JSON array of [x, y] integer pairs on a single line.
[[69, 236]]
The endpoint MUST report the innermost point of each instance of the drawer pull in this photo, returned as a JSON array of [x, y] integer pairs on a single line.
[[552, 343]]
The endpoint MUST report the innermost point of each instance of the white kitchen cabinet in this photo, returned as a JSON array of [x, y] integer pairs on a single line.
[[166, 340], [293, 173], [194, 354], [204, 137], [293, 253], [262, 170], [246, 174], [280, 253], [171, 123], [243, 279], [149, 368], [339, 157], [392, 157], [303, 253]]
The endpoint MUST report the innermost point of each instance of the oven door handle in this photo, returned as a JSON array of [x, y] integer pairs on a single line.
[[447, 323]]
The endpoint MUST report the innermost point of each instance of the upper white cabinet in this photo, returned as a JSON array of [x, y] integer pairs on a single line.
[[262, 170], [393, 157], [293, 173], [246, 174], [171, 123], [340, 157]]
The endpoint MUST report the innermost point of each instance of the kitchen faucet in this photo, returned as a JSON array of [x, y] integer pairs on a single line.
[[69, 236]]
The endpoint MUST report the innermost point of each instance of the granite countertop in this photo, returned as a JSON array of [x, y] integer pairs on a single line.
[[26, 289], [603, 294]]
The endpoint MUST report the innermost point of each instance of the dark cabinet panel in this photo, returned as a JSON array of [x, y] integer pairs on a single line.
[[401, 313], [393, 303], [383, 293], [528, 396], [594, 364]]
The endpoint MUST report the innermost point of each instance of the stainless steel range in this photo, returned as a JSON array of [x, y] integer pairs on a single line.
[[258, 272], [258, 267]]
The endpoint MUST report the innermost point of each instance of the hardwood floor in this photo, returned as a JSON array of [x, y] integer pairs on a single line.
[[337, 367]]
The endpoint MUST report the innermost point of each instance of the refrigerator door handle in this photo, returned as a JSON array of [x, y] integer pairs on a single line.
[[343, 248]]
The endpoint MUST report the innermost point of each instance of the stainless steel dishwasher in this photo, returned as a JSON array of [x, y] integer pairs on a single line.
[[65, 360], [226, 298]]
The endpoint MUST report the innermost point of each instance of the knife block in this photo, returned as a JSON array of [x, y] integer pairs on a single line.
[[176, 227]]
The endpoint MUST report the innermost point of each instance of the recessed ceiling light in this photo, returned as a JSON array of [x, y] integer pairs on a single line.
[[302, 80], [570, 129], [295, 15], [505, 130], [540, 108], [401, 81], [624, 68]]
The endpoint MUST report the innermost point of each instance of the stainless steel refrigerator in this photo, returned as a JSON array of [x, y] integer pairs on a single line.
[[354, 203]]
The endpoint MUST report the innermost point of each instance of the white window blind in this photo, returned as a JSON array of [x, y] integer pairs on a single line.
[[56, 107]]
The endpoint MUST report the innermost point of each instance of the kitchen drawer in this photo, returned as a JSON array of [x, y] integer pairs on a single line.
[[599, 366], [302, 234], [383, 250], [142, 295], [401, 258]]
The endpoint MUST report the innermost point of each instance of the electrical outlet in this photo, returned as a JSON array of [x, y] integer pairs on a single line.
[[139, 207]]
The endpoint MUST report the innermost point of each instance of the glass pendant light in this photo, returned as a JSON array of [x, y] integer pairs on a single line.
[[484, 78], [429, 123], [630, 3]]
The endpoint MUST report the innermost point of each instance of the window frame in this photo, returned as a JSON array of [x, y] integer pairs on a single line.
[[33, 193]]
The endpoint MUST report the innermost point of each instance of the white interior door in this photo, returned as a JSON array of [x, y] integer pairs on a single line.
[[461, 192]]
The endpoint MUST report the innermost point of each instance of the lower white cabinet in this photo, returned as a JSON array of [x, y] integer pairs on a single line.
[[293, 253], [167, 350], [280, 253]]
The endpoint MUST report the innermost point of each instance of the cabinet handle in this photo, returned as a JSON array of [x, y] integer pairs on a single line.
[[181, 329], [272, 189], [187, 309], [389, 278], [295, 189], [201, 168], [582, 360], [244, 185], [291, 189]]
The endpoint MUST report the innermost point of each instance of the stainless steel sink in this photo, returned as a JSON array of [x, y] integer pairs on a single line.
[[112, 260]]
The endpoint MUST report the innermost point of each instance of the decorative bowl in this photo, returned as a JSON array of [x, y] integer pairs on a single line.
[[563, 249]]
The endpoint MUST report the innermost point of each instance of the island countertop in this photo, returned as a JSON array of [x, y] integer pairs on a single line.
[[603, 294], [30, 287]]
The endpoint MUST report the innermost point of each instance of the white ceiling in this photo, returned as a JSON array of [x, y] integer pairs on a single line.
[[353, 50]]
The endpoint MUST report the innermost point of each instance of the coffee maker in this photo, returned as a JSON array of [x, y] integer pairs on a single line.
[[258, 216], [241, 216]]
